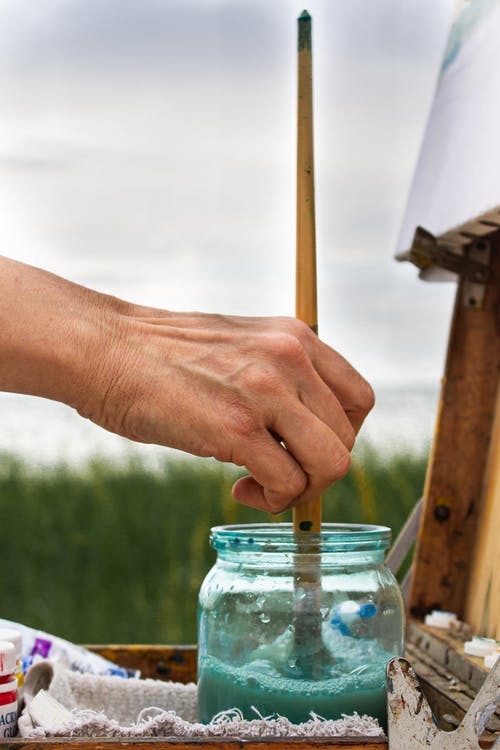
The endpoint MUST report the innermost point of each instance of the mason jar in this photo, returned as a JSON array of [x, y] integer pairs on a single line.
[[292, 623]]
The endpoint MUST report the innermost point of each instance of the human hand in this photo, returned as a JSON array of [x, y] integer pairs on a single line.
[[240, 390], [264, 393]]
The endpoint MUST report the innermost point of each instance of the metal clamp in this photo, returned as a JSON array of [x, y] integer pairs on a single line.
[[410, 719], [427, 250], [468, 259]]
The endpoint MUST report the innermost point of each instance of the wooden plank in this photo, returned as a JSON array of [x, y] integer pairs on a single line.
[[476, 225], [479, 229], [455, 239], [176, 663], [196, 744], [482, 608], [447, 651], [491, 216], [452, 496]]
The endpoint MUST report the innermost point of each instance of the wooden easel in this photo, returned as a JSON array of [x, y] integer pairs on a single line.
[[457, 560]]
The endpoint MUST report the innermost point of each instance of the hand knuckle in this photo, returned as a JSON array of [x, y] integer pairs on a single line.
[[366, 397], [276, 500], [340, 465], [294, 326], [277, 506], [259, 380], [288, 347], [294, 484], [299, 328], [240, 422]]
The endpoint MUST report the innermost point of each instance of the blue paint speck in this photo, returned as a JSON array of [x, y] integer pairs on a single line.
[[367, 610], [337, 624]]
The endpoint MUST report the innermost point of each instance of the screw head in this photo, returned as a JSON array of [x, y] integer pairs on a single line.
[[481, 245], [441, 513]]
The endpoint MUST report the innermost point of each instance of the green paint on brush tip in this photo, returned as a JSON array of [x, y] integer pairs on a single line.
[[304, 41], [305, 525]]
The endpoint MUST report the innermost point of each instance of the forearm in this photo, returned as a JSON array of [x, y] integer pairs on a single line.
[[51, 333]]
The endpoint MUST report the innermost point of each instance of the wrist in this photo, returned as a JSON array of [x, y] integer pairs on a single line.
[[53, 335]]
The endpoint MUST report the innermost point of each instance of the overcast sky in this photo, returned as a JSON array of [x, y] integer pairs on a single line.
[[147, 149]]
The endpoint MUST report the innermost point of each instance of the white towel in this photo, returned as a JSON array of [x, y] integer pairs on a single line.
[[105, 706]]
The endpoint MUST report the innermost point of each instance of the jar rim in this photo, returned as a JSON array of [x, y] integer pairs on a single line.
[[280, 537]]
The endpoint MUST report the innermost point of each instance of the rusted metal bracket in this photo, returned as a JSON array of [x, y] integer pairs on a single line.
[[428, 250], [412, 724], [473, 290], [464, 251], [462, 254]]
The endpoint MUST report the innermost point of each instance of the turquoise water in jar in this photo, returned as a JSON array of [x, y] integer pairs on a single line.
[[298, 623]]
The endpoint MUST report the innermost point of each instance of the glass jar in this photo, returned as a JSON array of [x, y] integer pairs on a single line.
[[298, 623]]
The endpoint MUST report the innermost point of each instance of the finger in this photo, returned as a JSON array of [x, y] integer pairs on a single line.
[[276, 477], [319, 399], [320, 453], [249, 492], [353, 392]]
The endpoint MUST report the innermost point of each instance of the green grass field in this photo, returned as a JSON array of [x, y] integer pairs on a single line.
[[117, 554]]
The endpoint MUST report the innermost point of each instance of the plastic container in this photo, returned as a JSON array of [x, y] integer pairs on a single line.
[[8, 708], [298, 623], [7, 661], [14, 636]]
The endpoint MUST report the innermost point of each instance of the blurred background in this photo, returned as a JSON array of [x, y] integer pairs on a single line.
[[147, 150]]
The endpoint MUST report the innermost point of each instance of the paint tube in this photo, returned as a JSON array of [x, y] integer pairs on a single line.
[[38, 645]]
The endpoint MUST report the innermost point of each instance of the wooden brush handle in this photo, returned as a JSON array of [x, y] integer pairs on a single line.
[[306, 517]]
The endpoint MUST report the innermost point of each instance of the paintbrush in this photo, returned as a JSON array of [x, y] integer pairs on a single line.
[[309, 651]]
